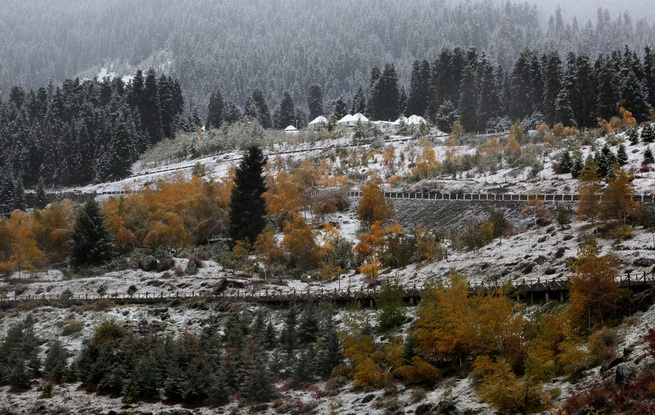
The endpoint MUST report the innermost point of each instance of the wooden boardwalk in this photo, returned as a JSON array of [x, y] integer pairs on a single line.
[[529, 291]]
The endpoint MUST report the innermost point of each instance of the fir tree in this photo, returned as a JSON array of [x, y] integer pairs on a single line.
[[648, 133], [565, 163], [417, 101], [215, 110], [522, 89], [468, 99], [150, 108], [607, 91], [41, 197], [91, 239], [286, 113], [553, 74], [563, 110], [359, 102], [247, 206], [231, 113], [446, 116], [329, 349], [315, 101], [340, 108], [489, 105], [633, 97], [383, 104], [308, 325], [583, 97], [257, 108], [56, 362], [7, 194], [622, 155]]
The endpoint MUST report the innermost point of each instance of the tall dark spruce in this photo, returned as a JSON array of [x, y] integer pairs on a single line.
[[247, 206], [92, 242]]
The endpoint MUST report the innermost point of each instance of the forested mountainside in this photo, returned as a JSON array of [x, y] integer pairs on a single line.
[[282, 44]]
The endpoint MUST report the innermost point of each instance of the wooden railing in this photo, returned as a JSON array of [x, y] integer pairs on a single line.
[[551, 286]]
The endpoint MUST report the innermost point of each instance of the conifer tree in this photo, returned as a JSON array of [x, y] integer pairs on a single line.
[[489, 105], [315, 101], [359, 102], [91, 239], [232, 113], [522, 89], [215, 110], [417, 101], [340, 108], [41, 198], [247, 206], [583, 97], [383, 104], [329, 348], [632, 96], [608, 96], [468, 98], [286, 113], [648, 133], [552, 75], [257, 108], [622, 155], [563, 109], [150, 108]]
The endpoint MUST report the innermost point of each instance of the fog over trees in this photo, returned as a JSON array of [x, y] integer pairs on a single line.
[[288, 45]]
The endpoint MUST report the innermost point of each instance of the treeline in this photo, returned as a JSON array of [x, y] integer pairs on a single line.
[[465, 86], [85, 131], [240, 47]]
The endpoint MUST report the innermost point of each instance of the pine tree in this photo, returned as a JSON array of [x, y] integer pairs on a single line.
[[553, 75], [622, 155], [308, 325], [446, 116], [257, 108], [340, 108], [150, 108], [633, 97], [583, 97], [489, 105], [286, 113], [648, 133], [247, 206], [383, 104], [468, 99], [315, 101], [608, 96], [231, 113], [359, 102], [41, 197], [522, 89], [91, 239], [215, 110], [563, 110], [417, 101], [329, 349], [7, 194]]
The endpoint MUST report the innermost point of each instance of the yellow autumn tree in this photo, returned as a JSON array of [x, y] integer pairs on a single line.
[[25, 254], [52, 230], [373, 206], [369, 248], [617, 203], [427, 165], [589, 188], [594, 290], [444, 328], [300, 243], [267, 250]]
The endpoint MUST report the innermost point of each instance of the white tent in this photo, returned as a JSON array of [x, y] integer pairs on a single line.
[[318, 122], [416, 120], [291, 129], [352, 120], [346, 120]]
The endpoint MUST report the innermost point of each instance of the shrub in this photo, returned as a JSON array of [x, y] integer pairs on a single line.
[[72, 327]]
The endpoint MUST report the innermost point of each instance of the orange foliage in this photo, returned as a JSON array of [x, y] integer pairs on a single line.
[[373, 206], [594, 291]]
